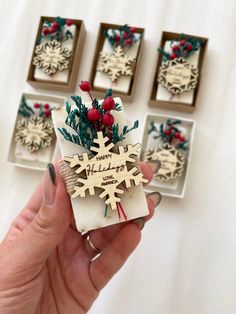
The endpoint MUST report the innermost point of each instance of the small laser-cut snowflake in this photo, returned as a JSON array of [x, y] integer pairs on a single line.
[[106, 170], [116, 63], [34, 133], [51, 57]]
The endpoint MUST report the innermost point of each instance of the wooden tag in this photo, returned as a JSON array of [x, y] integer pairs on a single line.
[[172, 161], [116, 64], [178, 76], [106, 170], [34, 133], [51, 57]]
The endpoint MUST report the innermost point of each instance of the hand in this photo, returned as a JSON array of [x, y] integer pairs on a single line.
[[46, 265]]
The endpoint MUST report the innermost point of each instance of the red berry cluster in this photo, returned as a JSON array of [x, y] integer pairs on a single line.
[[94, 115], [183, 46], [43, 110], [174, 133], [53, 28], [125, 37]]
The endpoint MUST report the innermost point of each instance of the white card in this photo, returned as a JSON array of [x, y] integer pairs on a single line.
[[59, 76], [89, 210], [102, 80], [187, 97]]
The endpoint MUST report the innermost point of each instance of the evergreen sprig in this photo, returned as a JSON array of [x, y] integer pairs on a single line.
[[59, 34], [85, 131], [169, 132], [119, 37], [182, 51], [24, 109]]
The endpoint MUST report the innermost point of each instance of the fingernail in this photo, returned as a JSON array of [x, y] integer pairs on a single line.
[[139, 222], [155, 197], [155, 165], [49, 185]]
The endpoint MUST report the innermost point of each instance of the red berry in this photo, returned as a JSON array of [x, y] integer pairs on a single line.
[[125, 34], [47, 113], [177, 135], [68, 22], [108, 119], [117, 38], [133, 29], [189, 47], [182, 42], [36, 105], [45, 31], [46, 106], [93, 115], [182, 138], [51, 30], [128, 41], [85, 86], [175, 48], [168, 132], [108, 103], [173, 56], [55, 25]]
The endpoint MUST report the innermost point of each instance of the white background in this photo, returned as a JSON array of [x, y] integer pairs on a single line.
[[186, 263]]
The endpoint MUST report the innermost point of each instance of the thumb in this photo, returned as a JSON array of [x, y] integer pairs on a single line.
[[53, 219]]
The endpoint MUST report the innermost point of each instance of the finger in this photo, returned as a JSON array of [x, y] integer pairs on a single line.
[[101, 238], [149, 168], [51, 222], [113, 257]]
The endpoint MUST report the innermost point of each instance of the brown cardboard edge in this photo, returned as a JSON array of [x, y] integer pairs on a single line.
[[175, 105], [99, 92], [76, 58]]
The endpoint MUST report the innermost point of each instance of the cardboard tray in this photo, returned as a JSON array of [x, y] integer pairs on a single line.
[[170, 105], [69, 86], [99, 92]]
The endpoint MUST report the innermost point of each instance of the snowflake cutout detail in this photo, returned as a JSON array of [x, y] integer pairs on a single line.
[[116, 63], [172, 161], [51, 57], [34, 133], [106, 170]]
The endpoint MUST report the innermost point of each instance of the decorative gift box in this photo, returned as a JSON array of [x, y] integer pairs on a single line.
[[99, 162], [168, 139], [33, 143], [116, 60], [56, 54], [177, 78]]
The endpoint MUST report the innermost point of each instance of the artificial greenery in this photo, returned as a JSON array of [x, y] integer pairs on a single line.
[[182, 52], [168, 132], [25, 110], [119, 37], [59, 34], [85, 131]]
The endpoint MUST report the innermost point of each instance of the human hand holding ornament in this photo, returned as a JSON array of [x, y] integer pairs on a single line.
[[47, 266]]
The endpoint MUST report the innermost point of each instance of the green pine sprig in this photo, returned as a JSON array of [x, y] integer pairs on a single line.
[[24, 109]]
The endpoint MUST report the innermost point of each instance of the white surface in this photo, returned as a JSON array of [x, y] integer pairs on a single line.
[[186, 97], [89, 211], [186, 262]]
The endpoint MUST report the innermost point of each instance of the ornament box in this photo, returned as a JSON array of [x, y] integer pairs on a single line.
[[176, 187], [18, 154], [125, 85], [186, 101], [65, 80]]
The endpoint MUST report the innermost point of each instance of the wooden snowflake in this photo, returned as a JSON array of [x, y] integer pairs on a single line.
[[51, 57], [116, 63], [172, 161], [106, 170], [34, 133], [178, 76]]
